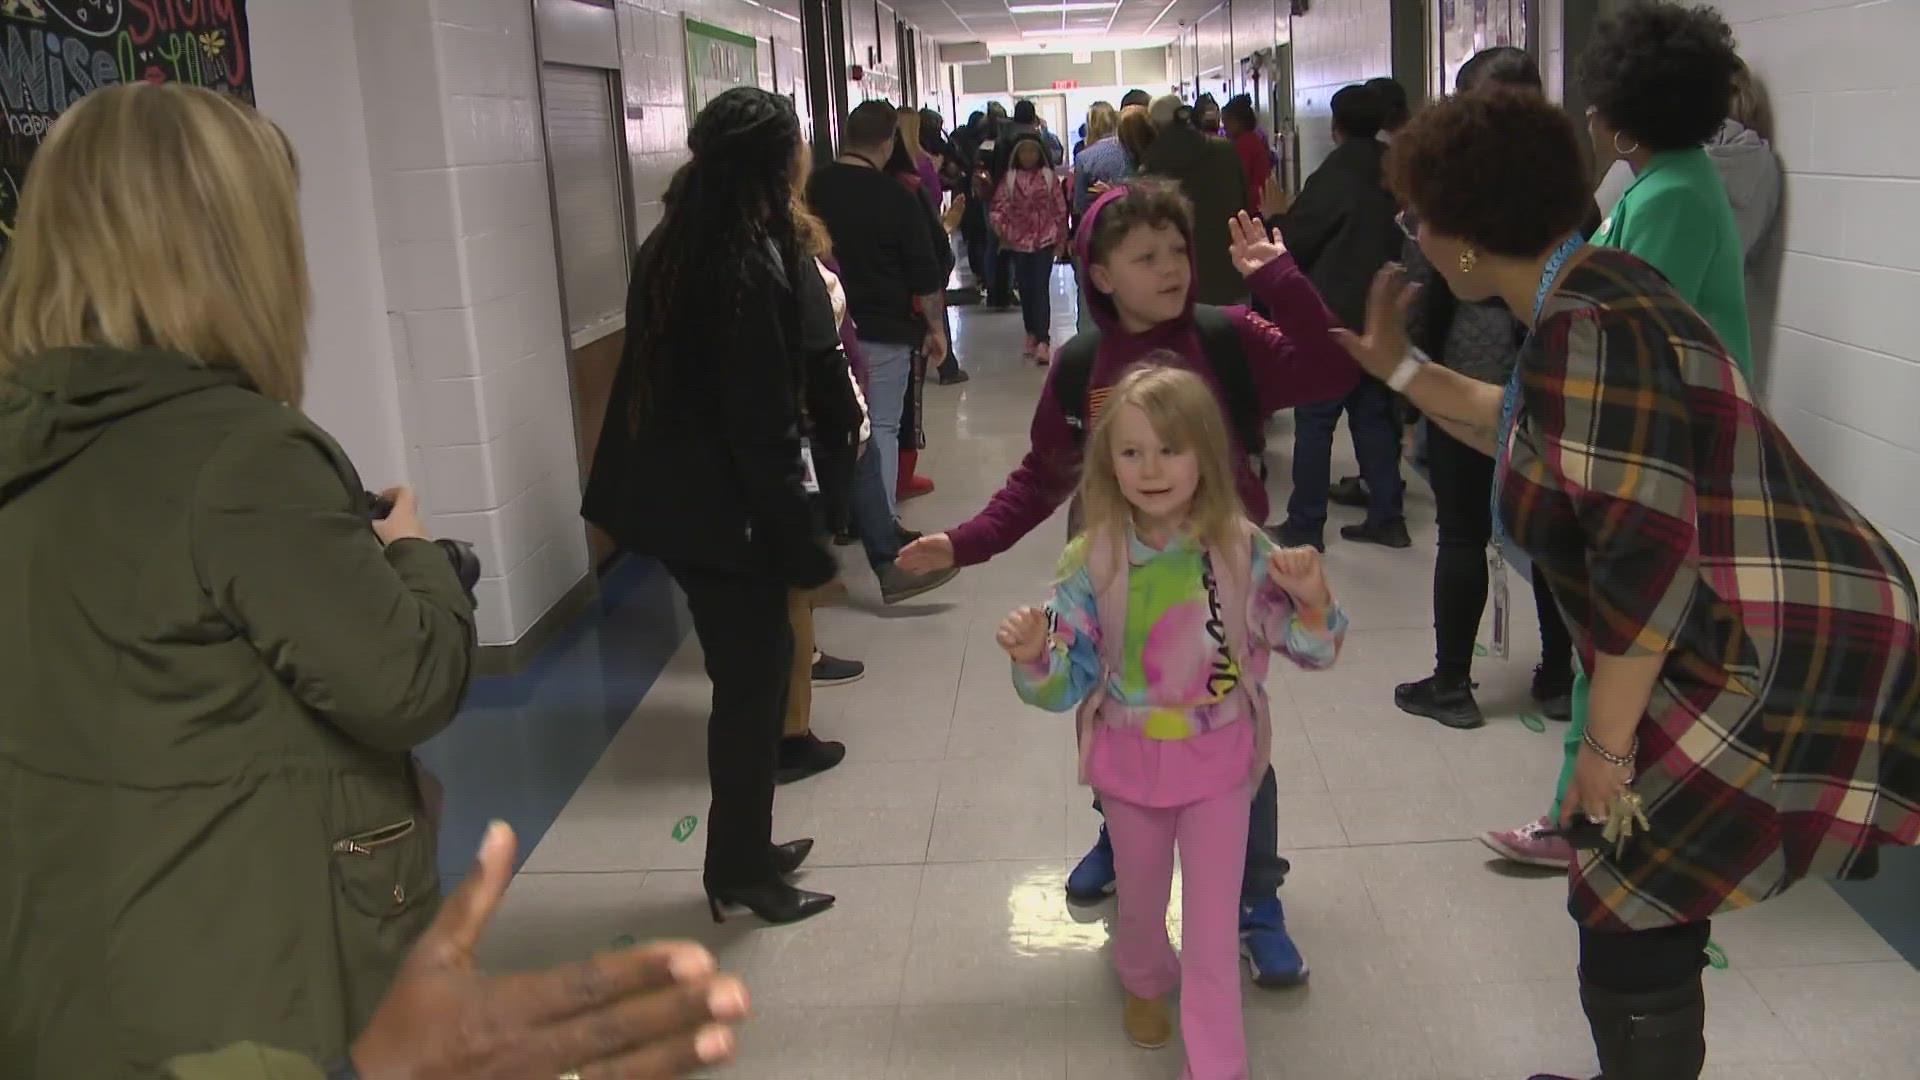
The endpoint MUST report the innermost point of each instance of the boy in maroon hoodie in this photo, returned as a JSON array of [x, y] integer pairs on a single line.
[[1137, 244]]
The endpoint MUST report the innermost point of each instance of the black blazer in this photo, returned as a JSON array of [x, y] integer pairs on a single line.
[[704, 469]]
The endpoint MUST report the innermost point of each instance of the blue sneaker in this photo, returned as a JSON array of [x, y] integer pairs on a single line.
[[1093, 880], [1269, 952]]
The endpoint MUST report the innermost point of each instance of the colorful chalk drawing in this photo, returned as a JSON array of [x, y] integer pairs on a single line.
[[54, 52]]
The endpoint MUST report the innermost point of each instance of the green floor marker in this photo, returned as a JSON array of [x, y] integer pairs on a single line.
[[624, 941], [1479, 649], [684, 828], [1716, 957], [1533, 722]]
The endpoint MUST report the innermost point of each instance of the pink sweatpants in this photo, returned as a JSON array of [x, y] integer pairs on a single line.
[[1212, 839]]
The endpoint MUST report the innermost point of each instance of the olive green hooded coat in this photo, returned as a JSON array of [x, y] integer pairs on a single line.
[[211, 676]]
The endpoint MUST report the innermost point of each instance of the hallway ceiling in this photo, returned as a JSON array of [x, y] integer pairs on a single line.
[[998, 24]]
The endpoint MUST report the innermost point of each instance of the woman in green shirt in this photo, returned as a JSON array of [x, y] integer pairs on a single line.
[[1660, 77]]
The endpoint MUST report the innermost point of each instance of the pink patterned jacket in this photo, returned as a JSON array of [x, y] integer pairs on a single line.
[[1030, 210]]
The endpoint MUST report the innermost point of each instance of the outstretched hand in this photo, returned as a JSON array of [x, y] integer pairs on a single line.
[[1251, 246], [926, 555], [1380, 350], [655, 1012]]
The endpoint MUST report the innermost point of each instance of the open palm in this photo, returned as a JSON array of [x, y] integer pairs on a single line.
[[1251, 246]]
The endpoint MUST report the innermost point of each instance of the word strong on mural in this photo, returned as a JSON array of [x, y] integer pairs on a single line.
[[55, 52]]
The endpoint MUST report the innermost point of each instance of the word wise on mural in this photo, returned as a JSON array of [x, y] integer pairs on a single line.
[[54, 52]]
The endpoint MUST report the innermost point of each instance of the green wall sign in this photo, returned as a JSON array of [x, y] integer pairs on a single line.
[[717, 61]]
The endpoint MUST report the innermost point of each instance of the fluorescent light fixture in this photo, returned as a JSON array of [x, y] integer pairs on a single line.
[[1063, 31], [1077, 5]]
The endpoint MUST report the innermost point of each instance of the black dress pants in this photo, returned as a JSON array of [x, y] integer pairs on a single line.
[[1462, 479], [743, 629]]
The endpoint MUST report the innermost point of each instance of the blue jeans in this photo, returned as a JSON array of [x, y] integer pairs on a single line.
[[1376, 442], [1265, 868], [872, 518], [1033, 272], [889, 369]]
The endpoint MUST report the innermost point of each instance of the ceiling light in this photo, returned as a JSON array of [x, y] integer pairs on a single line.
[[1076, 5], [1063, 31]]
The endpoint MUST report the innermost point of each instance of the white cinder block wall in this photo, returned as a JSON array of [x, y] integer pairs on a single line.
[[1337, 43], [473, 311], [306, 79], [1837, 317], [653, 55], [439, 354]]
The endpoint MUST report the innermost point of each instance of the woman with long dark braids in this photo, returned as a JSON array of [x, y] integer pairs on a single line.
[[700, 464]]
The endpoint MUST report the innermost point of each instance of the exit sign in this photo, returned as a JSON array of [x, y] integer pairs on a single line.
[[1066, 84]]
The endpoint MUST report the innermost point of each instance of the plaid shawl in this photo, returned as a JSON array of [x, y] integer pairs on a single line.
[[1669, 513]]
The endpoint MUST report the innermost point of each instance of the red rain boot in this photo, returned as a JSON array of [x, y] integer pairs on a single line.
[[911, 486]]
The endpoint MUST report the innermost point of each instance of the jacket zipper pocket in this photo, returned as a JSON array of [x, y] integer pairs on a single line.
[[368, 842]]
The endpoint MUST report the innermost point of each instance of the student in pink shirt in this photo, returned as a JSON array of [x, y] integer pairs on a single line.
[[1030, 217]]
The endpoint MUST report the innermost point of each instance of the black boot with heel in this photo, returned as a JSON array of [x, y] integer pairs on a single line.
[[777, 902], [1652, 1036]]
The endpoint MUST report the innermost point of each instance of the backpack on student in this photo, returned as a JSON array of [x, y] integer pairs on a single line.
[[1219, 341], [1230, 584]]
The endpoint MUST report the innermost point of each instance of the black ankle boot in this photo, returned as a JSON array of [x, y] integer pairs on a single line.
[[778, 903], [1658, 1036], [1450, 701], [788, 857]]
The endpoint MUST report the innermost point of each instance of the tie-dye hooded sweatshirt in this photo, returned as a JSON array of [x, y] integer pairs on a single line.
[[1172, 716]]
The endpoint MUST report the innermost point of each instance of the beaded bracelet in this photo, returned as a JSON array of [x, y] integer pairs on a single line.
[[1618, 761]]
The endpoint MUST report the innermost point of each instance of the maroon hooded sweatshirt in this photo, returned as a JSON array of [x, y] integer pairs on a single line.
[[1294, 360]]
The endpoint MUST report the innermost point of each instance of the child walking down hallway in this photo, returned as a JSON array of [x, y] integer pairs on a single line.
[[1159, 632]]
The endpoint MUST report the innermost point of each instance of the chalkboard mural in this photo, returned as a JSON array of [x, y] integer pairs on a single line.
[[53, 52]]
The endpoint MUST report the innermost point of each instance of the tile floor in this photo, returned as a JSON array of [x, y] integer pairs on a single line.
[[948, 833]]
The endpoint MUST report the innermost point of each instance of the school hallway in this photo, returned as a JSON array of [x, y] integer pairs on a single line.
[[949, 831]]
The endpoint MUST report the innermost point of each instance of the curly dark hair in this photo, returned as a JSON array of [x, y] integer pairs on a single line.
[[1661, 74], [721, 210], [1500, 168]]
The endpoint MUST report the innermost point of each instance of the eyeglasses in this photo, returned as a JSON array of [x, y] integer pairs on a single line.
[[1408, 226]]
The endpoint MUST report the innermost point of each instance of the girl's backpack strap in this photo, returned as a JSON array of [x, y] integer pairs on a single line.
[[1234, 574], [1107, 571]]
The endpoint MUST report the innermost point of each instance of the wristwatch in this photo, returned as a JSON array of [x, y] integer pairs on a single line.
[[343, 1070]]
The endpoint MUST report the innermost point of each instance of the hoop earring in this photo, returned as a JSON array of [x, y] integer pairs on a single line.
[[1623, 151], [1468, 260]]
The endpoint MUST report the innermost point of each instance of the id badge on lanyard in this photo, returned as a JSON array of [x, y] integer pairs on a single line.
[[809, 479], [1502, 606]]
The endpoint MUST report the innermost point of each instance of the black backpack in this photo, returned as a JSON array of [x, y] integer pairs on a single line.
[[1219, 341]]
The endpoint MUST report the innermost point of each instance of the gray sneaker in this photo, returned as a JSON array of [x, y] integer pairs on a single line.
[[897, 584]]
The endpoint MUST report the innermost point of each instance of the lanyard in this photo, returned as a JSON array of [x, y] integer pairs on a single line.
[[1510, 399]]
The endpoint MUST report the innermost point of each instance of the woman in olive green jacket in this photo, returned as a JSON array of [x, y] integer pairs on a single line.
[[212, 668]]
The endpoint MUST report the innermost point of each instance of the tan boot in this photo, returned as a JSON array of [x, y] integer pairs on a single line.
[[1149, 1025]]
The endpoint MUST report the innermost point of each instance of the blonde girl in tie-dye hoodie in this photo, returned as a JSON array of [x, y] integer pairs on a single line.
[[1159, 633]]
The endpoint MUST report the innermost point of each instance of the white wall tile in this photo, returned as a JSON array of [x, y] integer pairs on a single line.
[[482, 530], [1843, 367], [418, 204], [424, 274], [511, 328], [460, 479], [440, 344], [538, 583], [509, 261], [494, 615], [447, 412]]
